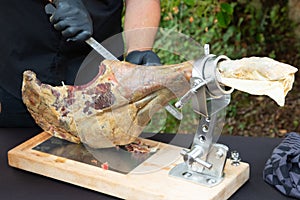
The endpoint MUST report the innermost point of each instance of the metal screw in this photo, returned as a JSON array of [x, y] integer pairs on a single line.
[[207, 119], [183, 152], [220, 153], [204, 163], [235, 158], [205, 128], [211, 181], [187, 174], [202, 138]]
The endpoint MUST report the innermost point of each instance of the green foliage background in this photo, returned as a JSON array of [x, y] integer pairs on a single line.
[[233, 28]]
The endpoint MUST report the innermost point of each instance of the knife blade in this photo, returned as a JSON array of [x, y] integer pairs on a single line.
[[100, 49]]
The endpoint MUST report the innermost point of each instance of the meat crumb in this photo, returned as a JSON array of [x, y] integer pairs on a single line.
[[94, 161], [104, 166], [140, 147]]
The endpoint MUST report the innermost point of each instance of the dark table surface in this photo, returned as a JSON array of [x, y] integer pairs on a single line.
[[16, 184]]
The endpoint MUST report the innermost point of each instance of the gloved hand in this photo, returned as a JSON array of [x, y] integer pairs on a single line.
[[147, 58], [72, 19]]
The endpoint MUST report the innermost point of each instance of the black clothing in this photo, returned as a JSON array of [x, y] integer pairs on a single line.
[[29, 41]]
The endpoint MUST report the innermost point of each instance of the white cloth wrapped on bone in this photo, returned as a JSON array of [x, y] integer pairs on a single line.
[[259, 76]]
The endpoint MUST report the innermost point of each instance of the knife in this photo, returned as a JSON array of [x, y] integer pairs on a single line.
[[50, 9]]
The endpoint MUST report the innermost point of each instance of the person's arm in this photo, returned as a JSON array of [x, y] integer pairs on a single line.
[[142, 18]]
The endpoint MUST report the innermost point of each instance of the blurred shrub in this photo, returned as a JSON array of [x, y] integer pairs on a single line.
[[232, 28]]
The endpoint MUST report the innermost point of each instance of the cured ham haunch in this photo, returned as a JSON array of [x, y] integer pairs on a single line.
[[118, 103], [110, 110]]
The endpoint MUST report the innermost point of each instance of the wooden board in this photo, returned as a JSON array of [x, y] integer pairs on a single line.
[[155, 185]]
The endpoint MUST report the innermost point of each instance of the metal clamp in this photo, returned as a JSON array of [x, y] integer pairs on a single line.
[[208, 173], [205, 85]]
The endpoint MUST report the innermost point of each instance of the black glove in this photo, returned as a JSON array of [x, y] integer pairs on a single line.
[[147, 58], [72, 19]]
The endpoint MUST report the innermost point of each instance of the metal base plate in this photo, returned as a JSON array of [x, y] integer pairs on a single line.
[[182, 171], [119, 160]]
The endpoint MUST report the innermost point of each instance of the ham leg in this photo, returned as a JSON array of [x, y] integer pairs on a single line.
[[110, 110], [118, 103]]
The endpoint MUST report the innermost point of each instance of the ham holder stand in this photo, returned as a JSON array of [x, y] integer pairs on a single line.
[[202, 172]]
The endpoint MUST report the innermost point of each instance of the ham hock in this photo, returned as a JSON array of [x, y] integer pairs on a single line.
[[118, 103]]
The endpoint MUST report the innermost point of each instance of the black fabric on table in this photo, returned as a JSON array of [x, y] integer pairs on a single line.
[[282, 169]]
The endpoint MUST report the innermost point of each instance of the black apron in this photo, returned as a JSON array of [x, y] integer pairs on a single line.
[[29, 41]]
